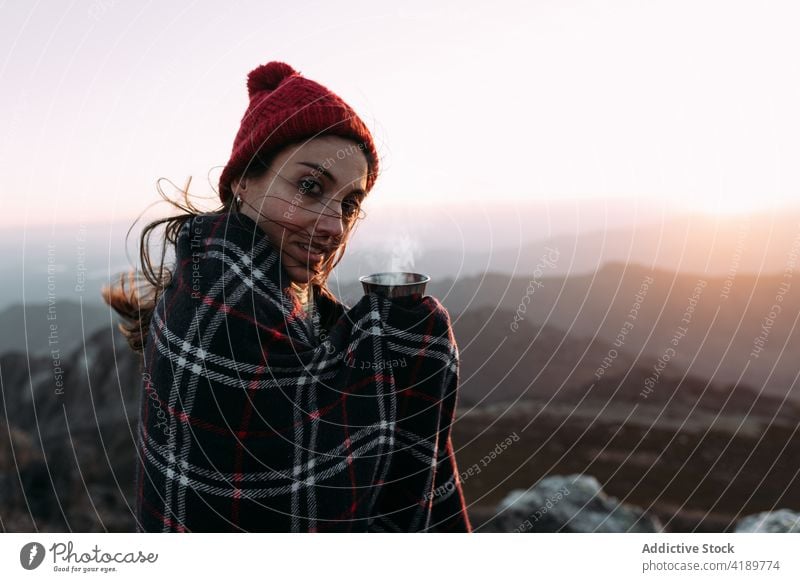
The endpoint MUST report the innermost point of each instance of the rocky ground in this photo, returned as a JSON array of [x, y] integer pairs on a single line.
[[689, 458], [691, 471]]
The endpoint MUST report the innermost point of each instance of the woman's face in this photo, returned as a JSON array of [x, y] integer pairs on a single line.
[[305, 209]]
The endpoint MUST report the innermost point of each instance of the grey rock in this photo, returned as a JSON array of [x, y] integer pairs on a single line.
[[573, 503], [780, 521]]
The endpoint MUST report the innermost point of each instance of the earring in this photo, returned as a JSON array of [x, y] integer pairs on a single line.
[[238, 202]]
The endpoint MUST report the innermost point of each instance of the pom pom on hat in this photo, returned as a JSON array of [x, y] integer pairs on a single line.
[[268, 77]]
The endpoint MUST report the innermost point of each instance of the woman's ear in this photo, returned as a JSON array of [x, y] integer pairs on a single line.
[[239, 186]]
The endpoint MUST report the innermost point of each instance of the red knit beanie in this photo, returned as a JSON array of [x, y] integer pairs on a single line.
[[286, 107]]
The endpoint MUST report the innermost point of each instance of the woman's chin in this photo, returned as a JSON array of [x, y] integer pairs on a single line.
[[300, 272], [300, 275]]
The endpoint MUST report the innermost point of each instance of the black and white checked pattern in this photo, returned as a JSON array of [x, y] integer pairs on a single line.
[[250, 423]]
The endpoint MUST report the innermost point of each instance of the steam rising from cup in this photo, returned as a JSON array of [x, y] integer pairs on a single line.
[[402, 248], [399, 280]]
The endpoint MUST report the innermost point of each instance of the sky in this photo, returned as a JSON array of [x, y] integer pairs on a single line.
[[470, 103]]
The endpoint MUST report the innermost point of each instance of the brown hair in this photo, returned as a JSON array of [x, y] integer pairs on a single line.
[[135, 295]]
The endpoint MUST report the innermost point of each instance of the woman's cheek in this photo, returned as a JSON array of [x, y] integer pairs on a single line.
[[289, 211]]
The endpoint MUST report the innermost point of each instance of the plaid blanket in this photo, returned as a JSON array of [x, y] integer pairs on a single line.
[[251, 422]]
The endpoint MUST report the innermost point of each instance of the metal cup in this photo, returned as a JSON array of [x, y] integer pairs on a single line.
[[395, 284]]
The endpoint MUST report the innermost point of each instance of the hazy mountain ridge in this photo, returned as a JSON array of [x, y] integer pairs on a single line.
[[599, 305], [586, 235]]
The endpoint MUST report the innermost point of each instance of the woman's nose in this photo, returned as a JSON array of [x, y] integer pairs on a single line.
[[329, 223]]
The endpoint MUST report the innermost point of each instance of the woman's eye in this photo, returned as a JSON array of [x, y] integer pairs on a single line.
[[350, 208], [310, 186]]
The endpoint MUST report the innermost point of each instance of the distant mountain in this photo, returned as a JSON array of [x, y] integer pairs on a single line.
[[68, 262], [39, 328], [445, 241], [546, 364], [535, 362], [725, 319], [719, 327]]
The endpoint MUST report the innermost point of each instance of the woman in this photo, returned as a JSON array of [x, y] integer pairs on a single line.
[[267, 405]]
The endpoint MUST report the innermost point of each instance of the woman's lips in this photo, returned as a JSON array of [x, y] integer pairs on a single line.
[[311, 255]]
